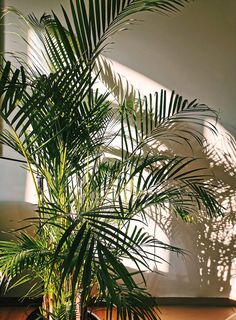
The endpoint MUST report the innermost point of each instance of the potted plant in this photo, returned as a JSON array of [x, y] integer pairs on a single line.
[[96, 166]]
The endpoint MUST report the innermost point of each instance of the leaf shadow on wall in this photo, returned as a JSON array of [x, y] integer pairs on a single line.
[[209, 267]]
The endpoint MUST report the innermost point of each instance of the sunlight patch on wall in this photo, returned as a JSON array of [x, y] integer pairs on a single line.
[[138, 81], [30, 192], [35, 53]]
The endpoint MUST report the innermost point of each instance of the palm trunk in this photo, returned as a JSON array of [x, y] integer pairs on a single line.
[[48, 305], [77, 307]]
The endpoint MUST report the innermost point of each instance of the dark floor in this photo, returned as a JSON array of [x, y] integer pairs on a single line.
[[168, 313]]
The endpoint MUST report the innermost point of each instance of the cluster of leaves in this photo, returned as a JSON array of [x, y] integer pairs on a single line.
[[99, 169]]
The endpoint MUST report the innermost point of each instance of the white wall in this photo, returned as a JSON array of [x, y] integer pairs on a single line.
[[194, 53]]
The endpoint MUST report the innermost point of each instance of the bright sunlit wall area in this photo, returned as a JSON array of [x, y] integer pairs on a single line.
[[192, 52]]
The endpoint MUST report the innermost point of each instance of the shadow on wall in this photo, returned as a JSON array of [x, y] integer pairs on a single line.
[[216, 241], [209, 268], [216, 254]]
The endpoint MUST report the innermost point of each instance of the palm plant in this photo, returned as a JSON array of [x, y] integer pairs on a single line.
[[96, 166]]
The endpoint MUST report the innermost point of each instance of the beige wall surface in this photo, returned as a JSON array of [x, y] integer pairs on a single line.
[[192, 52]]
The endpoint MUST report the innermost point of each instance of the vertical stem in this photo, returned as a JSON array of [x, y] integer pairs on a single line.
[[1, 50], [48, 300], [77, 306]]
